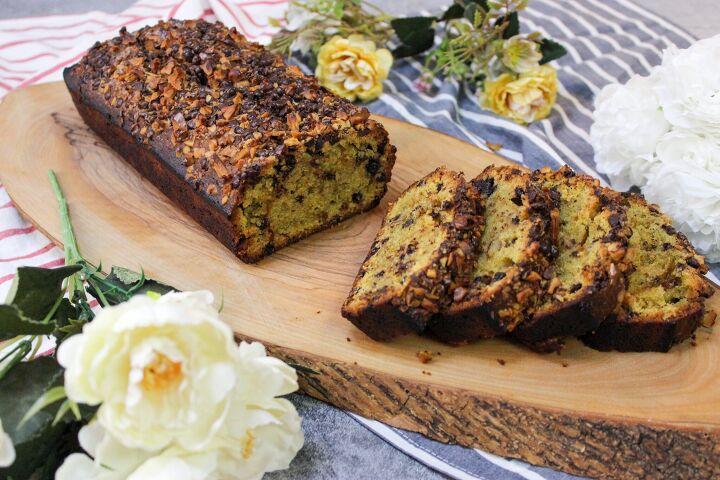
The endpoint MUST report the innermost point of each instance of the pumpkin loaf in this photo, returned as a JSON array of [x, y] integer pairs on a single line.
[[425, 248], [253, 149], [585, 280], [515, 247], [664, 300]]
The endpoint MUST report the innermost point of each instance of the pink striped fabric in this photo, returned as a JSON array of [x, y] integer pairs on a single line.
[[36, 49]]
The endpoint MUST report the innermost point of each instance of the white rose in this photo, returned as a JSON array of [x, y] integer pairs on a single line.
[[686, 184], [162, 370], [628, 122], [111, 460], [7, 450], [261, 433], [689, 87]]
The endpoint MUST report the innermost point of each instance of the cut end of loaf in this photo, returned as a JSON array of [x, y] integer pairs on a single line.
[[514, 249], [424, 249], [664, 300], [585, 278]]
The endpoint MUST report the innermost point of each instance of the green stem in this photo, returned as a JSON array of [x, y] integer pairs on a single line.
[[72, 252], [21, 350]]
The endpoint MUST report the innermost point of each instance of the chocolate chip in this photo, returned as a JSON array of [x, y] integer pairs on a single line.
[[486, 186], [498, 276]]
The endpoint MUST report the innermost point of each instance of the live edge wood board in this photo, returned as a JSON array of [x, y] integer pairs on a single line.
[[606, 415]]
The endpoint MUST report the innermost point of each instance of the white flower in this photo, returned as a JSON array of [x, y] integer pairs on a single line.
[[260, 434], [686, 185], [162, 370], [112, 459], [521, 55], [628, 123], [689, 87], [299, 16], [7, 450]]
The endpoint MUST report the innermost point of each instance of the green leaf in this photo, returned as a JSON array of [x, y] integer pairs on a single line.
[[53, 395], [13, 322], [405, 28], [454, 11], [37, 438], [415, 34], [67, 405], [551, 50], [36, 290], [122, 284], [513, 27]]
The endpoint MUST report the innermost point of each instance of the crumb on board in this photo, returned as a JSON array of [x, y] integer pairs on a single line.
[[565, 364], [709, 319], [318, 312], [425, 372], [501, 361], [493, 146], [348, 339], [425, 356]]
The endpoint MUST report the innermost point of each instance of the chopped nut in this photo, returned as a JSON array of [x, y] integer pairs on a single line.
[[534, 277], [554, 285], [425, 356], [524, 295]]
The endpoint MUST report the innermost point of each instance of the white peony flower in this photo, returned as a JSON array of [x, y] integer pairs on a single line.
[[112, 459], [260, 434], [686, 185], [628, 123], [7, 450], [162, 370], [689, 87]]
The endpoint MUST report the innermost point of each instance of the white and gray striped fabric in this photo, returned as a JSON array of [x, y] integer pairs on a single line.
[[607, 41]]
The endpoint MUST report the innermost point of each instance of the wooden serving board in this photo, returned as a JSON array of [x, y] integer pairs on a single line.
[[589, 413]]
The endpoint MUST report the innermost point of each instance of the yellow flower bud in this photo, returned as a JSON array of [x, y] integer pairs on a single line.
[[353, 67], [524, 99]]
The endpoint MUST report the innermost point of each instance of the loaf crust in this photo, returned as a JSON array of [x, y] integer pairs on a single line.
[[635, 329], [600, 254], [489, 307], [231, 133], [405, 306]]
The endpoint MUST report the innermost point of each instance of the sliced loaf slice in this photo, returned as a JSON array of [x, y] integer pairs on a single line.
[[514, 250], [664, 300], [585, 279], [425, 248]]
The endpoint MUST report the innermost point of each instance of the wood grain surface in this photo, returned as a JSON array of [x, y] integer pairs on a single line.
[[610, 415]]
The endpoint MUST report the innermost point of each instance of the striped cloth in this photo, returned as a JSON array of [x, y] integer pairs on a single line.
[[607, 41]]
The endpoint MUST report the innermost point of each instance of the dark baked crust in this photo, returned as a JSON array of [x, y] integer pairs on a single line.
[[195, 101], [393, 312], [625, 333], [482, 310], [587, 308], [573, 318]]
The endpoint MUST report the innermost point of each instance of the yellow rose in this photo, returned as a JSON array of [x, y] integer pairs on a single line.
[[524, 99], [352, 67]]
